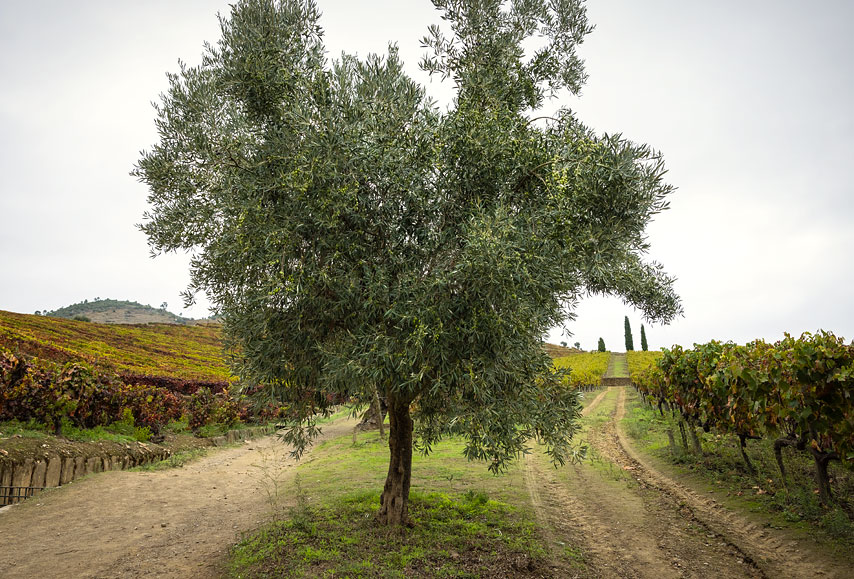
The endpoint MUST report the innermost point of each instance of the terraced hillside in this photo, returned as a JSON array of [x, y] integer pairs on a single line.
[[149, 353]]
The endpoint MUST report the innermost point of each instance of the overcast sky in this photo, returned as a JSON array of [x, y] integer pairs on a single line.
[[751, 103]]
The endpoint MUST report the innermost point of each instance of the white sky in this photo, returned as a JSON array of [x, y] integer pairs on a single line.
[[751, 102]]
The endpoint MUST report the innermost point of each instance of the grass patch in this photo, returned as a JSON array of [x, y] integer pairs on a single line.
[[721, 467], [468, 523], [120, 432], [603, 411], [215, 429], [176, 460], [103, 434], [467, 535], [618, 367], [181, 426], [342, 412], [29, 429]]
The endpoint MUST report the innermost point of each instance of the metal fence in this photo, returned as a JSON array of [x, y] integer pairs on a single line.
[[12, 495]]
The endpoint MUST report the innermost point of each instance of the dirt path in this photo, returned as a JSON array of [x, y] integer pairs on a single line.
[[635, 522], [173, 523], [775, 552]]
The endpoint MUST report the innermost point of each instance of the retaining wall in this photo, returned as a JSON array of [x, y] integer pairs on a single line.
[[31, 475]]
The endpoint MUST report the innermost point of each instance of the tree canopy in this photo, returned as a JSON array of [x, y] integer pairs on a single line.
[[357, 239]]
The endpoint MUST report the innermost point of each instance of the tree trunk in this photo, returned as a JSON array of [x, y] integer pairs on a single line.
[[672, 445], [374, 414], [778, 452], [683, 435], [379, 414], [821, 460], [695, 440], [742, 446], [394, 502]]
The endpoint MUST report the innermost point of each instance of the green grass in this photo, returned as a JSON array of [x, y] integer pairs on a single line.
[[795, 505], [468, 523], [618, 367], [29, 429], [176, 460], [342, 412], [120, 432]]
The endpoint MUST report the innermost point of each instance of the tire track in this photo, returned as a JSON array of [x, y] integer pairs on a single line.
[[768, 550], [626, 531]]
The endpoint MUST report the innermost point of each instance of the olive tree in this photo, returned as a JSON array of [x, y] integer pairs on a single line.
[[356, 239]]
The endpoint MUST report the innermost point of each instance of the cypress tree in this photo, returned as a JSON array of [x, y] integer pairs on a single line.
[[630, 345], [644, 345], [602, 345]]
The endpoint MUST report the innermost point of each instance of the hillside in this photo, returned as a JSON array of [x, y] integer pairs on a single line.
[[556, 351], [109, 311], [151, 353], [166, 349]]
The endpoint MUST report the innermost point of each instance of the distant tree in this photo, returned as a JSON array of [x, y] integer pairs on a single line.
[[38, 312], [577, 345], [630, 345], [81, 318], [644, 345], [357, 239], [602, 345], [563, 344], [164, 305]]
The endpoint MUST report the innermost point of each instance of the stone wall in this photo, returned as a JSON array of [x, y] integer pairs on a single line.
[[54, 469]]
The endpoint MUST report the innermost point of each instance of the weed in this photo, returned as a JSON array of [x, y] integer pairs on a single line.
[[269, 472]]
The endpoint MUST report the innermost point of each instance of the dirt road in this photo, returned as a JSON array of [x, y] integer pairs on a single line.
[[633, 521], [627, 517], [173, 523]]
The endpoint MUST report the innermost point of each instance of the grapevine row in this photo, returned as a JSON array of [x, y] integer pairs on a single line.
[[798, 391], [88, 396]]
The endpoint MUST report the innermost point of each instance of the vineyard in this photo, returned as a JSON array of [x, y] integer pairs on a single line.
[[639, 362], [797, 392], [140, 353], [59, 371], [583, 371]]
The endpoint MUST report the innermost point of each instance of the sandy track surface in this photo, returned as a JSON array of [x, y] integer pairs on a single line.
[[654, 526], [173, 523]]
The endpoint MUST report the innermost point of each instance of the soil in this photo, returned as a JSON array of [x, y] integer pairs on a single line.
[[618, 517], [640, 523], [172, 523]]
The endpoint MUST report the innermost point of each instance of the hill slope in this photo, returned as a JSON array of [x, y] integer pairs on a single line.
[[151, 353], [556, 351], [118, 312]]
